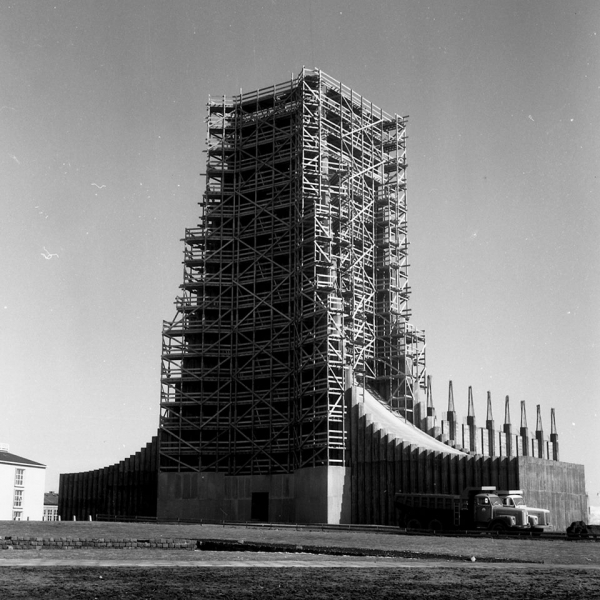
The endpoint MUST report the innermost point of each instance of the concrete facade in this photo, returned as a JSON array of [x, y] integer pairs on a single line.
[[315, 495], [386, 454], [557, 486], [125, 489], [388, 458]]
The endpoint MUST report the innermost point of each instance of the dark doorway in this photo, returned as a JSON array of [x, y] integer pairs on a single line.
[[259, 510]]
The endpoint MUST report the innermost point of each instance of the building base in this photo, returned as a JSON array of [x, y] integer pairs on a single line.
[[311, 495]]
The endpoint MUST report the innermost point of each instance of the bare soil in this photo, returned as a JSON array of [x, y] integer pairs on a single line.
[[322, 583]]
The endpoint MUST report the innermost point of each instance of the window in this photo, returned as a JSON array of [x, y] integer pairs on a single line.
[[18, 498], [17, 514], [19, 477], [51, 514]]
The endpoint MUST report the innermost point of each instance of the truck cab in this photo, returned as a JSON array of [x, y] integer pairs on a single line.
[[483, 508], [539, 518], [487, 510]]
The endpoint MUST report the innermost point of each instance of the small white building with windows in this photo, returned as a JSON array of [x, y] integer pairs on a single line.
[[22, 483], [50, 506]]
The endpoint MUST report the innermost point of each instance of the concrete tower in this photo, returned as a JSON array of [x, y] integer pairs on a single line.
[[295, 288], [291, 375]]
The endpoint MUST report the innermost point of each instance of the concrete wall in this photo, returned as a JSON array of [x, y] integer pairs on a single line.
[[323, 492], [127, 488], [382, 464], [557, 486], [382, 460], [319, 495]]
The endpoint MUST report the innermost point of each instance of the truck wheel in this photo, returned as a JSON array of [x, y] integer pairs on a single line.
[[435, 525], [498, 526], [413, 524]]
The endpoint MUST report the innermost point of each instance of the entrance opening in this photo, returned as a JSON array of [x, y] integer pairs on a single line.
[[259, 510]]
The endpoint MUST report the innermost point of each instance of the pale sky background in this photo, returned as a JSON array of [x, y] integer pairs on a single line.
[[102, 107]]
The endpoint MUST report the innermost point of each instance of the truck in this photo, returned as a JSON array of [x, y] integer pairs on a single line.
[[475, 508], [539, 517]]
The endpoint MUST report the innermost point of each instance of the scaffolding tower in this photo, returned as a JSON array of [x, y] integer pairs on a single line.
[[296, 273]]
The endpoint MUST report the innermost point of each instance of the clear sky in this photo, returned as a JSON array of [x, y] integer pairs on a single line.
[[102, 107]]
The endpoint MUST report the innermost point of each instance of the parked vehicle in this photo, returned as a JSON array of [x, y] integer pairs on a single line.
[[538, 517], [476, 508], [580, 529]]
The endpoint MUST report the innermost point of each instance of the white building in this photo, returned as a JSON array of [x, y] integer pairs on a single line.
[[22, 483], [50, 506]]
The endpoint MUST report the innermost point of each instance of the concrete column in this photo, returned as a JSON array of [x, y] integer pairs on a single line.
[[451, 416], [471, 422], [539, 434], [369, 430], [360, 467], [419, 408], [489, 425], [486, 441], [502, 443], [391, 478], [524, 432], [445, 474], [414, 467], [477, 446], [508, 428], [398, 476], [466, 437], [353, 428], [553, 435], [430, 420], [444, 429], [406, 468], [375, 476]]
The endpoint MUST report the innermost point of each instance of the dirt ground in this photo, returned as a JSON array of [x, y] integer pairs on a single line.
[[559, 569], [322, 584]]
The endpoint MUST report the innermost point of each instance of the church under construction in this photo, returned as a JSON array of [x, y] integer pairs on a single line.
[[294, 385]]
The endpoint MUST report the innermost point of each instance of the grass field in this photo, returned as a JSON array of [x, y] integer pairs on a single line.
[[553, 552], [456, 578]]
